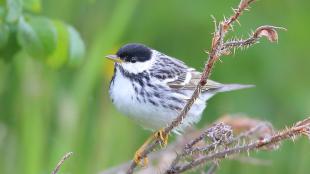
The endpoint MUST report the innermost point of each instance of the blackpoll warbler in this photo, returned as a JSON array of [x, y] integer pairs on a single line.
[[152, 88]]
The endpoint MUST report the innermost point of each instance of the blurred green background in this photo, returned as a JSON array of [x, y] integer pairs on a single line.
[[46, 111]]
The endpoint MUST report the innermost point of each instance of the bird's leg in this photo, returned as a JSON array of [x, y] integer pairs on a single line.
[[138, 155], [162, 136], [158, 135]]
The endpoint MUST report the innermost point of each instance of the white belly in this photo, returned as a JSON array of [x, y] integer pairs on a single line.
[[146, 114]]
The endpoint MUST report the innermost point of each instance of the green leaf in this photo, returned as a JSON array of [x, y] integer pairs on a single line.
[[4, 35], [37, 36], [9, 50], [15, 9], [46, 32], [54, 41], [60, 55], [76, 47], [32, 5], [28, 39]]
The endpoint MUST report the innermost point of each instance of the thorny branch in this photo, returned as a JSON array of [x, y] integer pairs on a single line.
[[267, 31], [218, 48], [224, 140], [267, 142], [220, 134]]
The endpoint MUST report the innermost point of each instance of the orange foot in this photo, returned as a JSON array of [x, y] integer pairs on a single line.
[[162, 136], [138, 158], [158, 135]]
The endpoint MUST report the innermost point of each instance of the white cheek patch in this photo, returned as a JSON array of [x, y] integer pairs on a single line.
[[137, 67]]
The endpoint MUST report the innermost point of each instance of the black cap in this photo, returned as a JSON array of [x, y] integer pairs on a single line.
[[134, 52]]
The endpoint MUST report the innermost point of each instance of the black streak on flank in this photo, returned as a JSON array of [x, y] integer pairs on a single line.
[[112, 80], [135, 88], [174, 99], [151, 86], [141, 93], [153, 103], [156, 94], [173, 107]]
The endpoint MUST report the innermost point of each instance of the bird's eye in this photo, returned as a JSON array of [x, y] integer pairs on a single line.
[[133, 59]]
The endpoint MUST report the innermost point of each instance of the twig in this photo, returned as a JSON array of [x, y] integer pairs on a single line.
[[243, 5], [267, 31], [218, 133], [60, 163], [225, 140], [254, 130]]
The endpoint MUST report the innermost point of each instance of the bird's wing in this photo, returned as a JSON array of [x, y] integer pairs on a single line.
[[179, 76], [191, 81]]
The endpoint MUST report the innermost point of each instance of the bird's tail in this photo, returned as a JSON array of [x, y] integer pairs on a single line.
[[232, 87], [223, 88]]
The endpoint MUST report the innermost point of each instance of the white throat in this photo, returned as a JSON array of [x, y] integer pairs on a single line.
[[139, 67]]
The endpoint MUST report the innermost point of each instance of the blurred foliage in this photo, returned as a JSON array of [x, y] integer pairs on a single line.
[[50, 40], [54, 97]]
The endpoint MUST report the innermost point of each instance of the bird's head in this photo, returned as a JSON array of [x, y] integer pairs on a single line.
[[134, 58]]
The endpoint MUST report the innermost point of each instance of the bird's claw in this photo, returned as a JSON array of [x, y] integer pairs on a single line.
[[139, 157], [162, 136], [158, 135]]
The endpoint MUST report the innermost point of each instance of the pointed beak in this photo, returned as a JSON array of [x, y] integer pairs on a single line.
[[114, 58]]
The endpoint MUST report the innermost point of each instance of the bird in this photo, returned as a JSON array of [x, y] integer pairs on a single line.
[[152, 88]]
